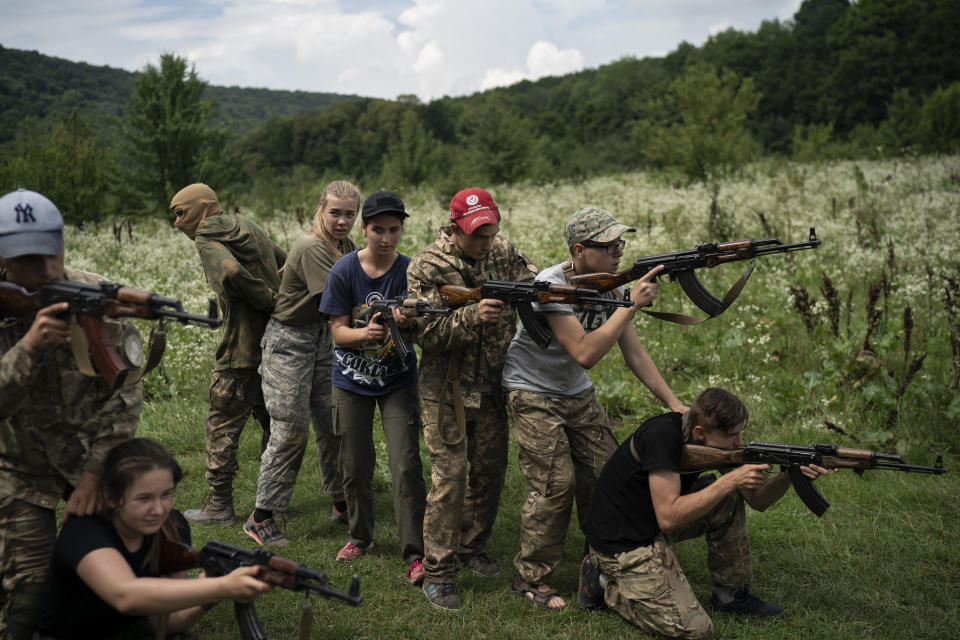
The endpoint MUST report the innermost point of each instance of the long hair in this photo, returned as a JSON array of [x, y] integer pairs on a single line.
[[714, 408], [122, 465], [342, 190]]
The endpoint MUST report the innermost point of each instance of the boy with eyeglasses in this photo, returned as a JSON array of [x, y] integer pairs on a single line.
[[563, 434]]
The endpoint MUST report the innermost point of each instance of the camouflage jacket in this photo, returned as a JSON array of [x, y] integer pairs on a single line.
[[460, 340], [242, 265], [55, 422]]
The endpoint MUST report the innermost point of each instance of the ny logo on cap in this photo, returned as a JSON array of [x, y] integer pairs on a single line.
[[24, 213]]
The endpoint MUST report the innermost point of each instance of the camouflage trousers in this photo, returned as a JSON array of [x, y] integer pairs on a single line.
[[234, 395], [27, 534], [563, 442], [353, 423], [462, 507], [648, 588], [295, 369]]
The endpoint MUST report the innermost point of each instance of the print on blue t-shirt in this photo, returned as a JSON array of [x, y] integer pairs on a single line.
[[375, 368]]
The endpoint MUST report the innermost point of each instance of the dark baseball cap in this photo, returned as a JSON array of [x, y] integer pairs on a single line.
[[383, 202], [29, 224]]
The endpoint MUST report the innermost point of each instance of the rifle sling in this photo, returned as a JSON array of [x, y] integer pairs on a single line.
[[728, 299], [453, 379]]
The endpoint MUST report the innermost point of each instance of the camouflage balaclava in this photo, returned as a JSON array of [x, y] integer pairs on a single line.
[[198, 201]]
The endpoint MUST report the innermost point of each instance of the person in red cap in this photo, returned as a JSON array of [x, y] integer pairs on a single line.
[[463, 403]]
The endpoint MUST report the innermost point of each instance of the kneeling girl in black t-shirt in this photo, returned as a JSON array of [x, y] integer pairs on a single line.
[[105, 578]]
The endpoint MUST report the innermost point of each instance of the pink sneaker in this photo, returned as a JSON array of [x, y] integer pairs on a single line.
[[351, 552], [414, 574]]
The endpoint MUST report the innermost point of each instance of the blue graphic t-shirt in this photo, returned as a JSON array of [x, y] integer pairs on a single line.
[[374, 369]]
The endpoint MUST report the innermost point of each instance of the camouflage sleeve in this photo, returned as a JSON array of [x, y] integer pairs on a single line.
[[458, 330], [229, 279], [523, 268], [115, 422], [18, 370]]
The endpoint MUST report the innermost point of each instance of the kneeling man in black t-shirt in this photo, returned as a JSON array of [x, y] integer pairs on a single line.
[[642, 504]]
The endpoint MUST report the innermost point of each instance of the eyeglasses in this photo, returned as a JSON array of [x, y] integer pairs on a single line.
[[611, 248]]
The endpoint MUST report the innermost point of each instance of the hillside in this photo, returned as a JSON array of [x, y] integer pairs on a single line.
[[33, 84]]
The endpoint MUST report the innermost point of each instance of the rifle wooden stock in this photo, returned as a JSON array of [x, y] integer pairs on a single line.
[[458, 296], [696, 457], [604, 281]]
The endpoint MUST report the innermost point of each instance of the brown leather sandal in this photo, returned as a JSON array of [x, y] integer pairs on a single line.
[[539, 595]]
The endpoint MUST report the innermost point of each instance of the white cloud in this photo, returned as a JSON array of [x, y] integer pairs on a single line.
[[545, 59], [376, 48]]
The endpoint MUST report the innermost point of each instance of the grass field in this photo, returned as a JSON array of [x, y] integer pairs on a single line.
[[857, 343]]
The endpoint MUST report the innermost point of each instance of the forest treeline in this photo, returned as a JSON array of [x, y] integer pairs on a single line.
[[840, 79]]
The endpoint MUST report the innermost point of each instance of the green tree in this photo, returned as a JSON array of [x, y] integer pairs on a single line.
[[938, 129], [498, 138], [64, 162], [699, 126], [168, 141], [412, 159]]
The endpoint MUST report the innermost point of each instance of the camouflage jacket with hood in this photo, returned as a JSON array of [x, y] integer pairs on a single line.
[[242, 265], [460, 343]]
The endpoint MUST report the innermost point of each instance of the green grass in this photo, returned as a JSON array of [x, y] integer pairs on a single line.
[[883, 562]]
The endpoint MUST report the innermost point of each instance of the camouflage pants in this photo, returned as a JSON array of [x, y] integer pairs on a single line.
[[564, 443], [234, 395], [296, 367], [462, 507], [648, 587], [353, 423], [27, 534]]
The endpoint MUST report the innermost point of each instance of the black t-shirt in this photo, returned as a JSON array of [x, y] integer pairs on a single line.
[[71, 609], [621, 511]]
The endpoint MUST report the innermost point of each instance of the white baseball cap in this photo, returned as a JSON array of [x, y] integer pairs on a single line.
[[29, 224]]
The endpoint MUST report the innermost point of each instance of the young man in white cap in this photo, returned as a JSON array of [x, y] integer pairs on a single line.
[[464, 408], [563, 434], [56, 422]]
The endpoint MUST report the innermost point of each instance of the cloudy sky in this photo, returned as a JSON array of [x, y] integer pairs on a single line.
[[379, 48]]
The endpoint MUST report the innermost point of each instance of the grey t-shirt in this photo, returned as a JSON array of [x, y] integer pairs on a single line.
[[552, 371]]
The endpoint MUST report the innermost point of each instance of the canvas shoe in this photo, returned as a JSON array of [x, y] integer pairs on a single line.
[[351, 552], [442, 595], [266, 533], [747, 603], [414, 574]]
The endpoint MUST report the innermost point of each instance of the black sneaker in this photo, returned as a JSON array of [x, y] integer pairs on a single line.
[[747, 603], [590, 593], [442, 595], [266, 533]]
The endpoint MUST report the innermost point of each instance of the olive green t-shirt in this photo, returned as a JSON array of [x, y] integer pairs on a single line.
[[304, 277]]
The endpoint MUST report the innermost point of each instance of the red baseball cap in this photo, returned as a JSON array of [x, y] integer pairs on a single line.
[[473, 207]]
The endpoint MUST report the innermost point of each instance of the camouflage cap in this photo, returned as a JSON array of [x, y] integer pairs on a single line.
[[594, 224]]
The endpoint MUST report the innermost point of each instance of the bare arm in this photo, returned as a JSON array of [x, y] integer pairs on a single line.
[[775, 487], [589, 348], [642, 365], [675, 510], [352, 337], [107, 573]]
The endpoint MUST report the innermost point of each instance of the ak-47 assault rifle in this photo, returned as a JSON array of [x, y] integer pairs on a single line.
[[218, 558], [88, 305], [791, 457], [522, 294], [680, 266], [410, 307]]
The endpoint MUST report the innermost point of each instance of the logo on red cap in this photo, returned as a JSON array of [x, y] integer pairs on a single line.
[[472, 208]]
